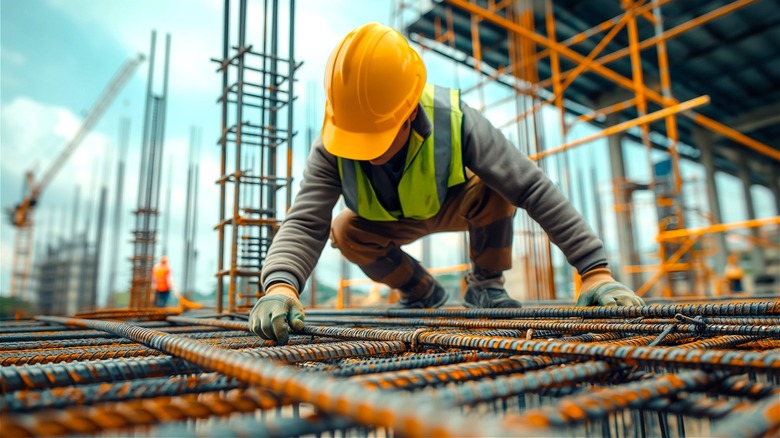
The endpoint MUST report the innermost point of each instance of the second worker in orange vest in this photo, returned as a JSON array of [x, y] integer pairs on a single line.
[[161, 277]]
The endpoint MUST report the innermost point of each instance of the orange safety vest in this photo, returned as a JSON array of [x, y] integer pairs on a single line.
[[160, 274]]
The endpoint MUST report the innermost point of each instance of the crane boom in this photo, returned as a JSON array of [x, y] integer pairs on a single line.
[[21, 214]]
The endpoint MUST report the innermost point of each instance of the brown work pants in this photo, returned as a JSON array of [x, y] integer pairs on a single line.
[[376, 246]]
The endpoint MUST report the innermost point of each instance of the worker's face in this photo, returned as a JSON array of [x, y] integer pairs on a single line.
[[398, 143]]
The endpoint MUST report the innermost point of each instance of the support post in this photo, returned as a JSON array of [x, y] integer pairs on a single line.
[[703, 140], [757, 257], [625, 223]]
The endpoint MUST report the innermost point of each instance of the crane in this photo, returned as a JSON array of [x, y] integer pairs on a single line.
[[21, 215]]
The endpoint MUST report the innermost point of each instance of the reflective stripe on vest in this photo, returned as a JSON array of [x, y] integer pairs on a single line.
[[432, 165]]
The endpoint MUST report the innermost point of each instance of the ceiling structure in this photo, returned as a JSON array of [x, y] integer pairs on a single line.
[[734, 59]]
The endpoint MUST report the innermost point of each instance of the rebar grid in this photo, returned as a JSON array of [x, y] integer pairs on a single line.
[[447, 372]]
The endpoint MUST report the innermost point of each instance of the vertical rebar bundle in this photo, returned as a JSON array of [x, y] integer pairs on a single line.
[[257, 125], [145, 233]]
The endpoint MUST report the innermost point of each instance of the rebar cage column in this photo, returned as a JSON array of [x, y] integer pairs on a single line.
[[257, 97]]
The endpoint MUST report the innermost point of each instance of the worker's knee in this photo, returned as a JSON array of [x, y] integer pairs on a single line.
[[343, 229]]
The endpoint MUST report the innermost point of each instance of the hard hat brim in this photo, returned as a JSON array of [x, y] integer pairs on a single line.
[[360, 146]]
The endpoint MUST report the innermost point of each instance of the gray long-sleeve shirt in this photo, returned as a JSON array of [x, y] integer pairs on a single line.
[[486, 152]]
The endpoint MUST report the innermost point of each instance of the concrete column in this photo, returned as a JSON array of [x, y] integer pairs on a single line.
[[773, 176], [703, 140], [758, 258], [625, 222], [427, 258]]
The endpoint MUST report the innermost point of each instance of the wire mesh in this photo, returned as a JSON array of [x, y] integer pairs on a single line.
[[706, 369]]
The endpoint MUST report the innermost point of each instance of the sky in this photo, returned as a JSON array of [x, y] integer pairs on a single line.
[[56, 56], [52, 76]]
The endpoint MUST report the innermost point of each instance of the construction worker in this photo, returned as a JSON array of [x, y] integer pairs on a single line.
[[412, 159], [161, 277]]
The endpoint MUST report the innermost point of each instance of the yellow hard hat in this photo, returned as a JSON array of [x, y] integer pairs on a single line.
[[373, 82]]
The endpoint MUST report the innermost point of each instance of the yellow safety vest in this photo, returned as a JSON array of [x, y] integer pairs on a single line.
[[433, 164]]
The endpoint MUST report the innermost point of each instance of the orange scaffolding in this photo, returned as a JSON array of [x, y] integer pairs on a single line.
[[526, 48]]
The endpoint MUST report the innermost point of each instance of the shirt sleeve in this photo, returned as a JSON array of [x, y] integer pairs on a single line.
[[519, 180], [297, 246]]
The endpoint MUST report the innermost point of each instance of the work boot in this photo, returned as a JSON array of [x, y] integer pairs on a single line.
[[487, 294], [435, 297]]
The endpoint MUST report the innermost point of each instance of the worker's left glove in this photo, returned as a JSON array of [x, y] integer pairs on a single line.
[[600, 289]]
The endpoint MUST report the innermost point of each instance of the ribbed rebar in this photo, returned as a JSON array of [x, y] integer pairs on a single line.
[[434, 376], [141, 412], [588, 407], [49, 328], [765, 308], [222, 323], [408, 415], [73, 355], [374, 366], [494, 332], [78, 334], [704, 329], [739, 387], [533, 381], [249, 425], [106, 341], [763, 344], [761, 419], [725, 320], [639, 341], [214, 334], [126, 315], [20, 323], [53, 375], [66, 374], [66, 343], [470, 393], [330, 351], [28, 401], [369, 371], [593, 337], [108, 352], [718, 342], [694, 406], [667, 356], [743, 320]]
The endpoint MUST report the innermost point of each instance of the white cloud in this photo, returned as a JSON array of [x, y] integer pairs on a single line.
[[8, 56], [198, 38], [34, 134], [194, 40]]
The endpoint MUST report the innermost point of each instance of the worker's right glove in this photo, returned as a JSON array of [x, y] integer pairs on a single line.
[[600, 289], [277, 312]]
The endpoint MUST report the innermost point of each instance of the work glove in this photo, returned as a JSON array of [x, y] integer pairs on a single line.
[[277, 312], [600, 289]]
